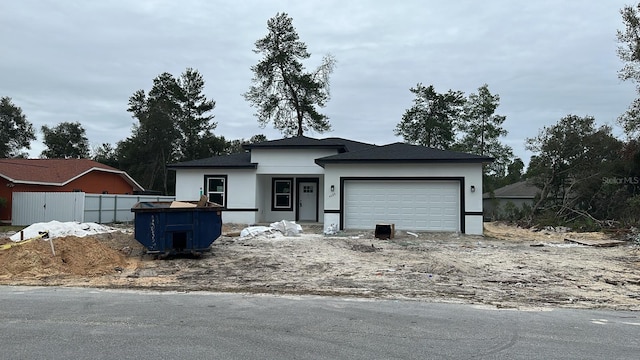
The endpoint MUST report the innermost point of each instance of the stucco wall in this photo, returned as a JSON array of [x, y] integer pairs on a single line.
[[291, 161], [240, 192]]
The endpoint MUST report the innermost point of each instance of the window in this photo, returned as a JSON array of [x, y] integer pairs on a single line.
[[216, 189], [282, 195]]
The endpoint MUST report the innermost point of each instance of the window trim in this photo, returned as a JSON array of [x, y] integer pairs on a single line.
[[274, 194], [224, 192]]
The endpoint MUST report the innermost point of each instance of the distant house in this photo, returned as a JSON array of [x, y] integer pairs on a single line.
[[341, 183], [519, 194], [60, 175]]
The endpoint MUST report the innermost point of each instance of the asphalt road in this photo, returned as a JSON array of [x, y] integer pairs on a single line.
[[70, 323]]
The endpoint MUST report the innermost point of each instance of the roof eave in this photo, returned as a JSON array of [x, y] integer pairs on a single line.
[[317, 146], [323, 162], [176, 167], [123, 174]]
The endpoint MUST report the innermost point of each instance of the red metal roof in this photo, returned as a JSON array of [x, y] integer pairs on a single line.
[[53, 171]]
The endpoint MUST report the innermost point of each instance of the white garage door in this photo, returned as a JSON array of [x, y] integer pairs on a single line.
[[411, 205]]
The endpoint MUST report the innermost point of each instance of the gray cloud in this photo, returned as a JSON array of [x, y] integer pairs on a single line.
[[80, 61]]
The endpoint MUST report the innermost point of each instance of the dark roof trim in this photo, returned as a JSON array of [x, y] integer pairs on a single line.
[[187, 166], [298, 146], [304, 142], [402, 153], [233, 161], [322, 161]]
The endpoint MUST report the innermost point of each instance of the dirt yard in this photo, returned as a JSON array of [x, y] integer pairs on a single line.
[[508, 267]]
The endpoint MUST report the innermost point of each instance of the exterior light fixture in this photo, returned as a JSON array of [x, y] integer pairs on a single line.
[[473, 188]]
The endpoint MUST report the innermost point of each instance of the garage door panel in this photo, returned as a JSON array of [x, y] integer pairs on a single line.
[[412, 205]]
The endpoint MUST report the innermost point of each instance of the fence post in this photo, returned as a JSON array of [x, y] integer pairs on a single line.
[[115, 209], [100, 209]]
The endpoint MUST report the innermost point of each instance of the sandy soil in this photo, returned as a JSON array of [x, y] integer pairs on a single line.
[[508, 267]]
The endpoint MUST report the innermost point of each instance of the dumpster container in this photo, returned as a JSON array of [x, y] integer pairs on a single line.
[[174, 227]]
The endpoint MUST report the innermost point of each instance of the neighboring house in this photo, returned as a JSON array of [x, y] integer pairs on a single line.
[[60, 175], [519, 194], [340, 182]]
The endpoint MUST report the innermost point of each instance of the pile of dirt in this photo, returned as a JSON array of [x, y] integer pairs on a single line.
[[83, 256]]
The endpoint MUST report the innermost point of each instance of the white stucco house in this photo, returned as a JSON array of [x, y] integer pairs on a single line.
[[334, 181]]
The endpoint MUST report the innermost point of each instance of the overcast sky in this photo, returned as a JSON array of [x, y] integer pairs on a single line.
[[81, 60]]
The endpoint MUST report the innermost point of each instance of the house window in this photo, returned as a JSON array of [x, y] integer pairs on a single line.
[[282, 195], [216, 189]]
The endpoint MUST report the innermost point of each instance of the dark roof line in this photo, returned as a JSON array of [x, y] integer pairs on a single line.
[[235, 161], [300, 142], [403, 153]]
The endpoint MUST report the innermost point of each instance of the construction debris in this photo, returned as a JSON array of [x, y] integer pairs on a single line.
[[595, 242]]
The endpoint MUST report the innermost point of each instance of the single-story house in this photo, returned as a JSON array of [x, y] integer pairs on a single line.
[[341, 183], [60, 175], [518, 194]]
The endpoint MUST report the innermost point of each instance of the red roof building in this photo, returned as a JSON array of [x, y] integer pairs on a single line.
[[60, 175]]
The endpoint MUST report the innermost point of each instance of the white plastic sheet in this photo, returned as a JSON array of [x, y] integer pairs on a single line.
[[253, 231], [60, 229], [287, 228], [280, 228]]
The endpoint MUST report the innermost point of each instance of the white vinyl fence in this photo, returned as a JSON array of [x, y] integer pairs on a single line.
[[33, 207]]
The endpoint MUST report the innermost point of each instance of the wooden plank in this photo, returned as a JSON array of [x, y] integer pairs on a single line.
[[596, 243], [203, 201], [181, 204]]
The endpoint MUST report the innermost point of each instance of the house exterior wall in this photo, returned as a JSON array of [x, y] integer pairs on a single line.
[[240, 191], [94, 182], [266, 214], [289, 161], [472, 174]]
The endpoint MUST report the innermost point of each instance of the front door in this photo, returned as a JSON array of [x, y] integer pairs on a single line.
[[307, 201]]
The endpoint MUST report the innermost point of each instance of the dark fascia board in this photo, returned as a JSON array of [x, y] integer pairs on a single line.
[[247, 166], [322, 162], [233, 161], [304, 142], [340, 148]]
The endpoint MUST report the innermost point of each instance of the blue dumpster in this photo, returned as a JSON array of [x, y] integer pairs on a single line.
[[171, 227]]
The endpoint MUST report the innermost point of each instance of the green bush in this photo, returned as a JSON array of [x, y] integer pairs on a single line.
[[510, 212], [3, 202]]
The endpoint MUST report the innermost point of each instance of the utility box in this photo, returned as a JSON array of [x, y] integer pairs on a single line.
[[385, 231], [176, 227]]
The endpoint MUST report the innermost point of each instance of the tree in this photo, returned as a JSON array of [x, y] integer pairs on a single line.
[[432, 118], [16, 132], [174, 124], [571, 159], [282, 91], [481, 131], [515, 172], [154, 141], [196, 123], [66, 140], [235, 146], [105, 154], [629, 53]]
